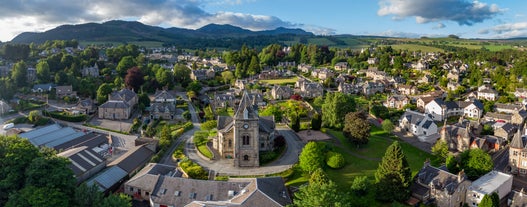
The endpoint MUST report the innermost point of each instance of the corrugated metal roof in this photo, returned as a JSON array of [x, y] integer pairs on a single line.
[[40, 131], [108, 178], [64, 139], [52, 136]]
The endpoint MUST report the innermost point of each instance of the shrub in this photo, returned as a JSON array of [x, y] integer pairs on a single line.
[[335, 160]]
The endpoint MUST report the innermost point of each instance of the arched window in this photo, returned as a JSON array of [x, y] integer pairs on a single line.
[[246, 157], [230, 143], [245, 140]]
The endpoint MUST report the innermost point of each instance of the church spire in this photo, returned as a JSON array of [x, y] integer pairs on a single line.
[[517, 141], [245, 109]]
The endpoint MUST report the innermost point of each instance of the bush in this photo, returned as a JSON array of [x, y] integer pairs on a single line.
[[335, 160], [64, 116], [193, 170]]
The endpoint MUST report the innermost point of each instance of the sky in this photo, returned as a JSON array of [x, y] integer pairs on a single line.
[[397, 18]]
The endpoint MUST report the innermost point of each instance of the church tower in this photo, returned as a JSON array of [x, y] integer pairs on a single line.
[[246, 134]]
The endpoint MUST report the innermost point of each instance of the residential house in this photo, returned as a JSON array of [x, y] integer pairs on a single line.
[[375, 74], [310, 89], [506, 131], [441, 110], [487, 92], [341, 66], [322, 73], [222, 101], [163, 105], [286, 64], [281, 92], [305, 68], [458, 138], [520, 93], [453, 76], [492, 182], [397, 101], [92, 71], [517, 117], [372, 87], [440, 187], [39, 88], [349, 88], [426, 79], [119, 105], [421, 65], [423, 100], [85, 106], [202, 74], [63, 91], [373, 61], [257, 98], [241, 84], [406, 89], [420, 125], [508, 108]]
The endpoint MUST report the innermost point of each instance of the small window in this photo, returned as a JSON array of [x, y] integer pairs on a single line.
[[192, 195], [177, 193], [246, 157], [131, 189], [230, 143], [147, 193]]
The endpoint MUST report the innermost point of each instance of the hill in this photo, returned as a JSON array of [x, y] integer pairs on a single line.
[[132, 31]]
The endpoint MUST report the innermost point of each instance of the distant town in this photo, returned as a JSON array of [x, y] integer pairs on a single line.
[[400, 122]]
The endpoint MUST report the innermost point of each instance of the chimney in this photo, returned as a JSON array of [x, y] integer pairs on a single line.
[[426, 163], [461, 176]]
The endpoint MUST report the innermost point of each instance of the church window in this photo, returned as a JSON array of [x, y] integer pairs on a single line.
[[515, 153], [524, 163], [245, 140], [230, 143], [246, 157]]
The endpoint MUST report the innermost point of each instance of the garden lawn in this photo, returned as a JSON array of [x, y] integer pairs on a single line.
[[365, 159], [280, 81]]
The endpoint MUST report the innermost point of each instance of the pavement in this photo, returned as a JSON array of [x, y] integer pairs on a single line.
[[226, 167]]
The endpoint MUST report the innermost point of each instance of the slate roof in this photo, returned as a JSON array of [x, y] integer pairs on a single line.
[[163, 107], [52, 135], [518, 199], [122, 95], [107, 178], [90, 140], [82, 159], [133, 159], [224, 123], [427, 124], [115, 104], [437, 178], [147, 178], [164, 95], [245, 109], [518, 141], [266, 123]]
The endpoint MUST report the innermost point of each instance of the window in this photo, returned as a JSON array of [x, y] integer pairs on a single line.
[[524, 163], [262, 145], [230, 143], [245, 140], [192, 195], [246, 157], [147, 193], [131, 189]]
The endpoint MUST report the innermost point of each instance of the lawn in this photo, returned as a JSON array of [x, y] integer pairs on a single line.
[[280, 81], [415, 47], [204, 150], [374, 151]]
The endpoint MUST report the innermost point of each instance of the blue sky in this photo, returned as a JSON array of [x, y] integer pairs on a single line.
[[400, 18]]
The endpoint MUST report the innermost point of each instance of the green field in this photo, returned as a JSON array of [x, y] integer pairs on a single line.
[[280, 81], [415, 47]]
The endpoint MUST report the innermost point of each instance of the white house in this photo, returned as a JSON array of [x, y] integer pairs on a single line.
[[441, 110], [420, 125]]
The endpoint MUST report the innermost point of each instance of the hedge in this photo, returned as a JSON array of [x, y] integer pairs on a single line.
[[65, 117]]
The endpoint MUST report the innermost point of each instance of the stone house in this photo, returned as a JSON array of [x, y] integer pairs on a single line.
[[506, 131], [372, 87], [305, 68], [520, 93], [90, 71], [310, 89], [202, 74], [438, 186], [341, 66], [163, 105], [487, 92], [417, 123], [119, 105], [396, 101], [281, 92], [518, 154], [63, 91], [223, 101], [406, 89]]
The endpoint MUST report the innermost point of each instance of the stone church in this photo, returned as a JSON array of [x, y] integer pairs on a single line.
[[242, 137]]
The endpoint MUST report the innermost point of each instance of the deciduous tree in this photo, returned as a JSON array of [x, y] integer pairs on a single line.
[[335, 105], [356, 128], [134, 78], [440, 152], [102, 92], [476, 163], [312, 157]]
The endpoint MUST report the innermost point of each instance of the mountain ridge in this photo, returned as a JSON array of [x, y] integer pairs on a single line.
[[126, 31]]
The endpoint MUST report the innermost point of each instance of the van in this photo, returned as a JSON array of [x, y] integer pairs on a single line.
[[9, 126]]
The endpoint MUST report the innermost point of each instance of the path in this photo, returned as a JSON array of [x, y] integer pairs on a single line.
[[225, 166]]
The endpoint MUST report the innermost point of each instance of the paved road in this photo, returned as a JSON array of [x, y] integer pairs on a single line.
[[167, 158]]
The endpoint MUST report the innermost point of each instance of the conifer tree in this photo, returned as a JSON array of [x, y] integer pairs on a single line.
[[393, 176]]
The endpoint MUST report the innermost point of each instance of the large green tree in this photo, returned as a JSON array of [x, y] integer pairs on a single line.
[[19, 74], [439, 152], [335, 105], [182, 75], [125, 63], [492, 200], [102, 92], [321, 192], [476, 163], [43, 72], [356, 128], [312, 157], [393, 176]]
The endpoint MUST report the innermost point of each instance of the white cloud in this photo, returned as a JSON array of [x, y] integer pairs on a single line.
[[508, 30], [461, 11], [440, 26]]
